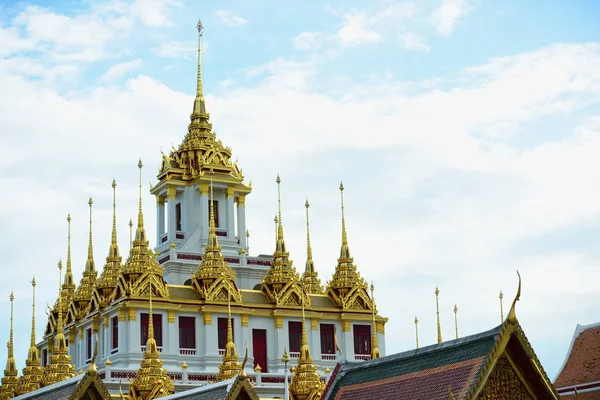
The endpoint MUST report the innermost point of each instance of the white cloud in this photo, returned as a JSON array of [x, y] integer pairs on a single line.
[[412, 41], [307, 40], [118, 70], [177, 49], [154, 12], [445, 17], [230, 20]]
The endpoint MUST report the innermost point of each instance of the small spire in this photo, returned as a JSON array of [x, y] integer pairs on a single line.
[[437, 306], [212, 233], [501, 297], [456, 320], [32, 342], [345, 250], [310, 267], [130, 234], [11, 354], [374, 345], [32, 373], [10, 381], [89, 266], [199, 91], [279, 223], [150, 323], [92, 367], [311, 279], [230, 366], [140, 234], [69, 272], [114, 247], [275, 220], [417, 330]]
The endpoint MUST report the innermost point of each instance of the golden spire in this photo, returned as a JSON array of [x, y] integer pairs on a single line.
[[282, 271], [437, 306], [501, 297], [151, 380], [199, 93], [312, 283], [417, 330], [374, 345], [456, 320], [130, 234], [10, 381], [113, 266], [275, 220], [68, 286], [60, 367], [230, 366], [306, 381], [33, 372], [88, 281], [346, 278]]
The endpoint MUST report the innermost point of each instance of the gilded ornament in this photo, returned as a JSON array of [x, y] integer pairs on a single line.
[[207, 317], [245, 320]]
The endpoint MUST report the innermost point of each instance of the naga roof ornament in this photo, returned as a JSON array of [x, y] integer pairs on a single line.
[[141, 271], [214, 280], [33, 373], [347, 288], [281, 284]]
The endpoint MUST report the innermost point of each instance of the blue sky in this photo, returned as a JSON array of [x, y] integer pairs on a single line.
[[466, 133]]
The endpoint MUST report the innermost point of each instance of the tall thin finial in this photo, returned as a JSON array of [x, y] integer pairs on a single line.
[[437, 305], [374, 344], [140, 215], [60, 267], [275, 220], [229, 324], [344, 235], [417, 330], [32, 343], [68, 272], [309, 259], [501, 297], [113, 238], [11, 355], [130, 234], [212, 226], [199, 93], [150, 319], [90, 260], [279, 224], [456, 320]]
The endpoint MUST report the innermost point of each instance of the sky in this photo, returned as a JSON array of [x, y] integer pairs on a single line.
[[466, 133]]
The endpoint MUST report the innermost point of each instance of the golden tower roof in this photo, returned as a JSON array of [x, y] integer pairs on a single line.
[[310, 279], [214, 279], [141, 270], [112, 268], [10, 381], [32, 373], [282, 273], [306, 382], [200, 150], [151, 380], [347, 288], [87, 284], [60, 367], [374, 344], [68, 287], [230, 366]]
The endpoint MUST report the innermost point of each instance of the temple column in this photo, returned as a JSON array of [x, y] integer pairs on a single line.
[[347, 340], [172, 223], [203, 189], [241, 220], [160, 219], [210, 335], [229, 193], [122, 331], [173, 334], [280, 340]]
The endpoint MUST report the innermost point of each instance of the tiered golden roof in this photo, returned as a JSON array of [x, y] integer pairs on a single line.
[[60, 367], [306, 381], [374, 344], [110, 274], [10, 381], [230, 365], [280, 285], [347, 288], [83, 295], [310, 279], [215, 280], [142, 271], [33, 373], [151, 380]]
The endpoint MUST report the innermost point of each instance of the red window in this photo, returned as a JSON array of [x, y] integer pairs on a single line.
[[115, 332], [88, 344], [222, 331], [178, 216], [327, 339], [187, 332], [157, 322], [362, 339], [295, 334]]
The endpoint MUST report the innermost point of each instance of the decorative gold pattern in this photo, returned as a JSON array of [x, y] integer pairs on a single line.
[[279, 322], [207, 318], [151, 380], [132, 314], [314, 324], [171, 316], [32, 373], [122, 314], [230, 366], [346, 326], [241, 200], [504, 383], [310, 279], [10, 381], [245, 320], [347, 288]]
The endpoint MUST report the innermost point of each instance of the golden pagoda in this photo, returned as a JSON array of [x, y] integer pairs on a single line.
[[60, 367], [110, 274], [214, 279], [347, 288], [33, 373], [280, 285], [83, 295], [310, 279], [151, 380], [142, 271], [10, 382], [230, 365], [306, 381]]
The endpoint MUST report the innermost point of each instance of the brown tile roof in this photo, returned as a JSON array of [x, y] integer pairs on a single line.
[[583, 360]]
